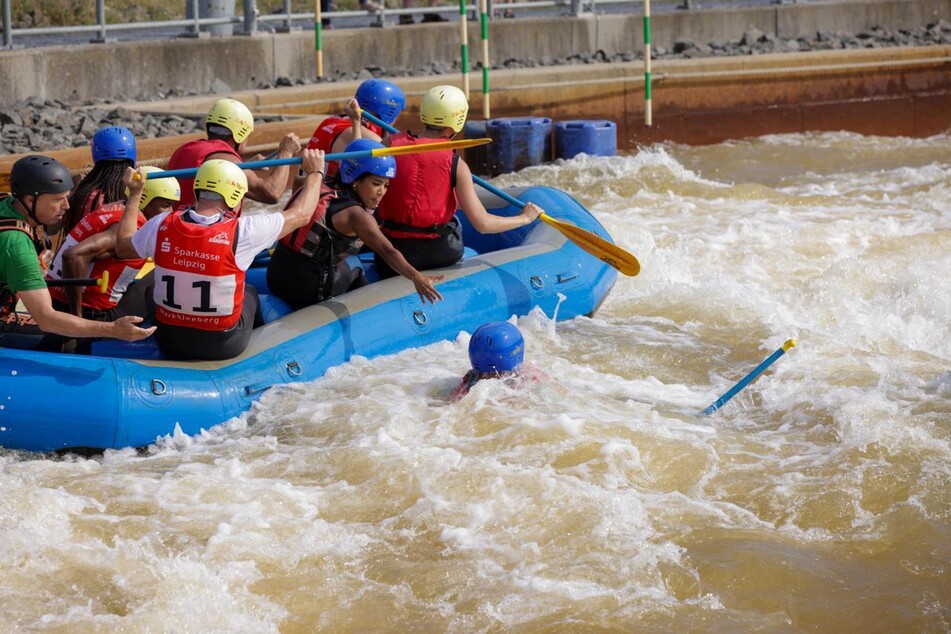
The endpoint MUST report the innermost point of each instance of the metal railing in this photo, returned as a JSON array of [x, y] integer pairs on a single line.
[[102, 29], [251, 20]]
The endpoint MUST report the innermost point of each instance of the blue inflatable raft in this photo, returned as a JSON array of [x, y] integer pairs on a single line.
[[125, 395]]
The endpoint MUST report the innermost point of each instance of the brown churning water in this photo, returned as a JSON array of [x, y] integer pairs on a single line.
[[816, 500]]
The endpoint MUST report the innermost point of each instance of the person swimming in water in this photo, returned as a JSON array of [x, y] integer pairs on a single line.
[[497, 351]]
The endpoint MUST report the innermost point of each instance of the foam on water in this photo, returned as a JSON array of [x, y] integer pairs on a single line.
[[369, 500]]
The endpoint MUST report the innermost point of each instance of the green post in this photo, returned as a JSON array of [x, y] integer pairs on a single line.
[[464, 46], [484, 22], [648, 115]]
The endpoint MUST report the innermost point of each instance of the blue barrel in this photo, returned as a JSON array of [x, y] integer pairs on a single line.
[[518, 142], [597, 138], [476, 157]]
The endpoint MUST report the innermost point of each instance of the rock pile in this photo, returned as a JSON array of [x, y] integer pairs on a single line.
[[756, 42], [36, 125]]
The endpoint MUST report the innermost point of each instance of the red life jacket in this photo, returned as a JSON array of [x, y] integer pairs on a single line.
[[327, 132], [198, 283], [420, 200], [121, 272], [304, 240], [193, 154]]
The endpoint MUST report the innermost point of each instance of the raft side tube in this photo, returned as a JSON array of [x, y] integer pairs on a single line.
[[50, 401], [88, 401]]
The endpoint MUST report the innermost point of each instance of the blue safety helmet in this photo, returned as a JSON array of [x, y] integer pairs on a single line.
[[497, 346], [382, 98], [352, 168], [113, 143]]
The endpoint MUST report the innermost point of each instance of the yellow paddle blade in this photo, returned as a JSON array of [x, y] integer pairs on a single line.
[[429, 147], [597, 246]]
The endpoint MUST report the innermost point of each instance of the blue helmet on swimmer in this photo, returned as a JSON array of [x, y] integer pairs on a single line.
[[352, 168], [497, 346], [113, 143], [382, 98]]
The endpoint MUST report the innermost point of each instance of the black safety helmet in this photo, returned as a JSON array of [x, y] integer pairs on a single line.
[[35, 174]]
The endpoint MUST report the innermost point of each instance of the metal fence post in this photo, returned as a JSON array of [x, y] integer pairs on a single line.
[[288, 25], [250, 17], [7, 25], [101, 21], [196, 28]]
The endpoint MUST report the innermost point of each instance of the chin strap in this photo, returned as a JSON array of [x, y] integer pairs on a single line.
[[32, 211]]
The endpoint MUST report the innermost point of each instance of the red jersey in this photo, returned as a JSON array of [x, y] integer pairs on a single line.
[[327, 132], [121, 272], [193, 154], [198, 283]]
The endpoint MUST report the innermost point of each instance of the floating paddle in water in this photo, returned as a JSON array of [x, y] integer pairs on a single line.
[[101, 282], [720, 402], [594, 244], [339, 156]]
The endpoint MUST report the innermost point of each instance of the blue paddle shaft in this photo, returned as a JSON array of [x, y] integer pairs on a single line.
[[512, 200], [369, 116], [720, 402], [253, 165]]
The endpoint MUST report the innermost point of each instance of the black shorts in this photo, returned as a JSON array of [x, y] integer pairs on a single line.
[[181, 343], [300, 281], [426, 253]]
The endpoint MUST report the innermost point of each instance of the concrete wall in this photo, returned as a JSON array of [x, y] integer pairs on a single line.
[[227, 64]]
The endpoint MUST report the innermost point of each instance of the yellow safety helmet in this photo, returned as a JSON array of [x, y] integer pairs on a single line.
[[233, 115], [444, 106], [222, 177], [158, 188]]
